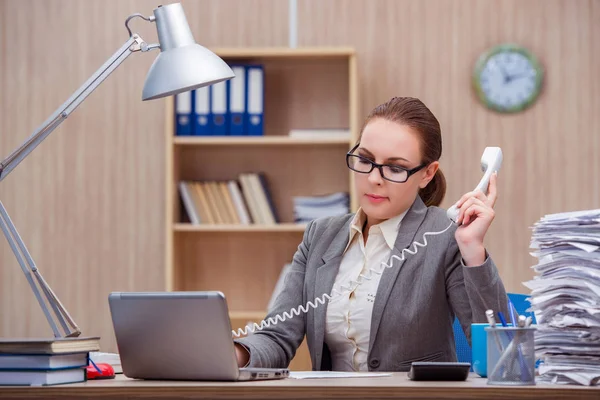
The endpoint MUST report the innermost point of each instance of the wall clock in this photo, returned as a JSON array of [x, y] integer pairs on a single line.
[[507, 78]]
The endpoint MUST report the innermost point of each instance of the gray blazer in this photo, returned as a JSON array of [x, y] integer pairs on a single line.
[[415, 303]]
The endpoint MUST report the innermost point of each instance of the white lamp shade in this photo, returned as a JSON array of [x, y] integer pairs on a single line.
[[182, 64], [184, 68]]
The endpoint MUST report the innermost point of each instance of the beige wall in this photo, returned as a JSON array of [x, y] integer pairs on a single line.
[[89, 202]]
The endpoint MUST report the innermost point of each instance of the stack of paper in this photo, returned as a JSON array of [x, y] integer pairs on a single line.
[[308, 208], [566, 297], [109, 358]]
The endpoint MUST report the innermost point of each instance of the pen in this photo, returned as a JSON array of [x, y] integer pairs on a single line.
[[512, 313], [492, 321], [502, 320], [490, 317], [95, 366]]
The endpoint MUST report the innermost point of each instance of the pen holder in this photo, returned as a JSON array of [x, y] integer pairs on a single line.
[[510, 356]]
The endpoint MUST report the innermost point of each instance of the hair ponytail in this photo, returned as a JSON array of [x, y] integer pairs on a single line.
[[433, 194]]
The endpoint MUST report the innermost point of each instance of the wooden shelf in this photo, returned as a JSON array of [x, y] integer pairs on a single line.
[[304, 88], [289, 227], [254, 316], [283, 52], [255, 141]]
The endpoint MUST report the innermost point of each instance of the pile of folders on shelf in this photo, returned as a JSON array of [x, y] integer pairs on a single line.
[[233, 107], [244, 201]]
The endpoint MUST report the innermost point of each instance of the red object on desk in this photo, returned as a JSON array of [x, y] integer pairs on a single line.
[[106, 371]]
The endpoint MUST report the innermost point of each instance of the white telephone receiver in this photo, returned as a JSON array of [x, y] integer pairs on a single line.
[[491, 161]]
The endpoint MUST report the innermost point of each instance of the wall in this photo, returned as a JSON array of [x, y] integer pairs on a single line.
[[427, 49], [89, 202]]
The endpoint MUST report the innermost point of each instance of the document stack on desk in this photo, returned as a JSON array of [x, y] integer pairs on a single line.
[[566, 297]]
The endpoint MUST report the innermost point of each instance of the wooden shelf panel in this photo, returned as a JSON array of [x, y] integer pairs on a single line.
[[284, 52], [256, 141], [244, 267], [255, 316], [290, 227]]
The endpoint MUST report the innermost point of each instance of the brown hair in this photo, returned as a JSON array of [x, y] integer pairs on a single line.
[[413, 113]]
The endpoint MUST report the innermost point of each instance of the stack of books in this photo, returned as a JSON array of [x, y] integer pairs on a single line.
[[244, 201], [565, 296], [307, 208], [41, 362]]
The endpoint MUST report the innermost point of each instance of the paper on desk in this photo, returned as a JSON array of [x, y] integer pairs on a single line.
[[109, 358], [565, 297], [334, 374]]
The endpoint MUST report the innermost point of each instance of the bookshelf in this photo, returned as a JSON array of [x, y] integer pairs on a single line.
[[306, 88]]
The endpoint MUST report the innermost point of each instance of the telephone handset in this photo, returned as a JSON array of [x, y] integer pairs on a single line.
[[491, 161]]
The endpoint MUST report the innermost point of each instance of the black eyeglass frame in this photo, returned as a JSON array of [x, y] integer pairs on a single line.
[[409, 172]]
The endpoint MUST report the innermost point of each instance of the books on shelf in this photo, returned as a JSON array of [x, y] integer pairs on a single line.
[[307, 208], [230, 108], [243, 201], [43, 362]]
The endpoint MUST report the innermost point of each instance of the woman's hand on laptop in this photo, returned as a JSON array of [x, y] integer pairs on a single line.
[[242, 355]]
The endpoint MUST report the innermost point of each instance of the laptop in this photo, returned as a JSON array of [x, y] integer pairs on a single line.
[[178, 336]]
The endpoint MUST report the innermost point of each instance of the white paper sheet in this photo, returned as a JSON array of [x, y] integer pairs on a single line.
[[334, 374]]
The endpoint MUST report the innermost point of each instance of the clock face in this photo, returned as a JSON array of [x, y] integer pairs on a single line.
[[508, 78]]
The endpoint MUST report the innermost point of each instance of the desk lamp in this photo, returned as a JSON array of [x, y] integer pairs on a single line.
[[181, 65]]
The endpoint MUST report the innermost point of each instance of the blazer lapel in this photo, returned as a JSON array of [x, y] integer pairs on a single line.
[[406, 235], [325, 278]]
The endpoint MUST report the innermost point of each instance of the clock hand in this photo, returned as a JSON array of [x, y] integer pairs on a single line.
[[504, 74], [517, 76]]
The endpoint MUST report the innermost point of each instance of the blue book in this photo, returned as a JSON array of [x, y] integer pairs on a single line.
[[218, 109], [183, 114], [236, 88], [255, 100], [201, 111]]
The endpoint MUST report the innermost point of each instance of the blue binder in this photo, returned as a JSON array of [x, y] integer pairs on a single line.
[[255, 100], [237, 101], [183, 114], [218, 109], [201, 111]]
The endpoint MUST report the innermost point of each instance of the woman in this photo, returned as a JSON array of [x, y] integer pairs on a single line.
[[404, 314]]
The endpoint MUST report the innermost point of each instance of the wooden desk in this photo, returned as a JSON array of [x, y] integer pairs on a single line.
[[397, 386]]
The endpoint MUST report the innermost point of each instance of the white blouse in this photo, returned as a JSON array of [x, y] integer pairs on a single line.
[[348, 318]]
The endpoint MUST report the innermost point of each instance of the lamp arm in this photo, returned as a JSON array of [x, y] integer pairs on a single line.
[[134, 43], [55, 312]]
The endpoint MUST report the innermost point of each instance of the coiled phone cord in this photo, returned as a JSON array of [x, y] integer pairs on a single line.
[[334, 292]]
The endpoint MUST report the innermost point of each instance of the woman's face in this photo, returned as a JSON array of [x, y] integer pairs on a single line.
[[390, 143]]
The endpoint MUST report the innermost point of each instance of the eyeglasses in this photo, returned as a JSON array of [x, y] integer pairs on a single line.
[[392, 173]]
